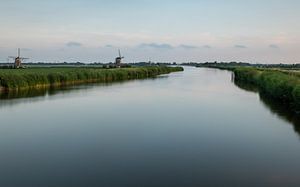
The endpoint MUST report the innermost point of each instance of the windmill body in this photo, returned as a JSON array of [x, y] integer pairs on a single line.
[[18, 59], [118, 61]]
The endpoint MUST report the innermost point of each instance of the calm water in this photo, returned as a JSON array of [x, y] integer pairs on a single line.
[[187, 129]]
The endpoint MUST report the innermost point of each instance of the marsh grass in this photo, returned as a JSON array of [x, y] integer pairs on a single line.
[[280, 85], [18, 79]]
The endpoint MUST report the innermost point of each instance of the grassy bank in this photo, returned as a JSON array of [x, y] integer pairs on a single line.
[[16, 79], [280, 85]]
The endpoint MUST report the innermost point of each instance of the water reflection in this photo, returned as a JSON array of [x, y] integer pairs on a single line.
[[282, 110], [35, 95]]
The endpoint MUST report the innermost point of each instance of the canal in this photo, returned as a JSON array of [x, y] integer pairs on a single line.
[[185, 129]]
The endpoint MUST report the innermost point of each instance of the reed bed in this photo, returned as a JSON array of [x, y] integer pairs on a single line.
[[16, 79], [280, 85]]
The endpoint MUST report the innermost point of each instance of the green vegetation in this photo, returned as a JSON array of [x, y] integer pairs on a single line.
[[278, 84], [16, 79]]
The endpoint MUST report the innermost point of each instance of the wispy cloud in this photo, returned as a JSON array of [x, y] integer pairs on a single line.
[[109, 46], [166, 46], [26, 49], [207, 47], [240, 46], [184, 46], [274, 46], [74, 44], [155, 46]]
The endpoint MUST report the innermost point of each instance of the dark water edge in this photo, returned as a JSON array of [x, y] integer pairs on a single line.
[[285, 111]]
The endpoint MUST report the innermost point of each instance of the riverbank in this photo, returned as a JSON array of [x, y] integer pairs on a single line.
[[281, 85], [19, 79]]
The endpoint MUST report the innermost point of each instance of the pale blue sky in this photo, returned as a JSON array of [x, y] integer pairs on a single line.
[[165, 30]]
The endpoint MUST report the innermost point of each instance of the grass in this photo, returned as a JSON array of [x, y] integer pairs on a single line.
[[283, 85], [16, 79], [280, 85]]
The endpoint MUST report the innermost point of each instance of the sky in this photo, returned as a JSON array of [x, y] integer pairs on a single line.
[[256, 31]]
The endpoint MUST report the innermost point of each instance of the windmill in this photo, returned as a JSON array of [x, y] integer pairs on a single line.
[[119, 59], [18, 59]]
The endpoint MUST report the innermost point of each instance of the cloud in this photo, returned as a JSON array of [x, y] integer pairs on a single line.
[[183, 46], [109, 46], [273, 46], [166, 46], [156, 46], [240, 46], [207, 46], [26, 49], [73, 44]]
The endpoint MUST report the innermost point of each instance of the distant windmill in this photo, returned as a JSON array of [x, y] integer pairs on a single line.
[[18, 59], [119, 59]]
